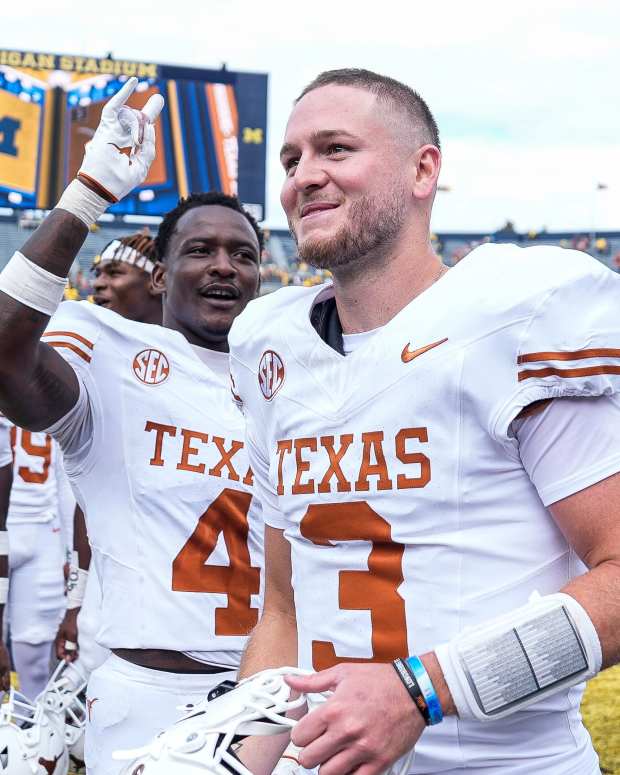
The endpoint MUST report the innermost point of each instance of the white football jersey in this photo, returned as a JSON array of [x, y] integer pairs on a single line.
[[34, 493], [397, 481], [157, 462]]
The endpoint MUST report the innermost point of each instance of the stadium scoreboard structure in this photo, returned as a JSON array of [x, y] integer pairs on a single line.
[[211, 134]]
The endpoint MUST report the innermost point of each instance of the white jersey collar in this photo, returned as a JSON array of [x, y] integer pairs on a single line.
[[218, 362]]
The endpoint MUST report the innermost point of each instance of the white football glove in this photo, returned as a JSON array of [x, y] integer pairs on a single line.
[[118, 157]]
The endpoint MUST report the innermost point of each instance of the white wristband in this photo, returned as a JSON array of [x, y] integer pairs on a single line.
[[30, 284], [80, 201], [4, 591], [4, 543], [76, 587]]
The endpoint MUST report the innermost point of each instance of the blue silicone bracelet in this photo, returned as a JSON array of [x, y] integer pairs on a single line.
[[427, 689]]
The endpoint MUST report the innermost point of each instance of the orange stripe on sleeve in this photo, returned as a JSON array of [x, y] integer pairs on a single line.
[[84, 356], [588, 371], [71, 334], [600, 352]]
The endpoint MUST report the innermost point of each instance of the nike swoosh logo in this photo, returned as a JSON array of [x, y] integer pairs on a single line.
[[408, 355]]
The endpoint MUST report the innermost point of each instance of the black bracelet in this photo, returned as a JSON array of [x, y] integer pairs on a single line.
[[410, 682]]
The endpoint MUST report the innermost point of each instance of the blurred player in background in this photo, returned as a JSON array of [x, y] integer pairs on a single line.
[[152, 444], [123, 278], [123, 284], [6, 481], [40, 531]]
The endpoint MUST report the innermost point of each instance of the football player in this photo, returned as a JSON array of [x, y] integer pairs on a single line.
[[123, 283], [123, 278], [39, 501], [440, 449], [6, 481], [152, 444]]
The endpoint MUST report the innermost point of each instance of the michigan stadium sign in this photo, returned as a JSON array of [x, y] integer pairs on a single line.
[[211, 134], [76, 64]]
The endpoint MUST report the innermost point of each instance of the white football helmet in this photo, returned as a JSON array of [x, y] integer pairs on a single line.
[[202, 741], [65, 696], [32, 742]]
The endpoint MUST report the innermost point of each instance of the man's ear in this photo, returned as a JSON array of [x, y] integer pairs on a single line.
[[158, 279]]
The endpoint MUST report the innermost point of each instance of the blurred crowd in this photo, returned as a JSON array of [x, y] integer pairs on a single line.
[[450, 248]]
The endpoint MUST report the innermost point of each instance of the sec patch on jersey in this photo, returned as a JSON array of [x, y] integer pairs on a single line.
[[270, 374], [151, 367]]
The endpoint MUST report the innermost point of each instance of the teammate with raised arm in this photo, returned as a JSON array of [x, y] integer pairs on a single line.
[[152, 445], [414, 509], [123, 273]]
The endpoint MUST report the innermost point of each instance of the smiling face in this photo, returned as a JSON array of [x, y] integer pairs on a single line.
[[209, 273], [347, 193]]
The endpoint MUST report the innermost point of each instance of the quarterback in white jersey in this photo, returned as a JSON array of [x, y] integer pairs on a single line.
[[415, 511], [38, 542], [153, 447]]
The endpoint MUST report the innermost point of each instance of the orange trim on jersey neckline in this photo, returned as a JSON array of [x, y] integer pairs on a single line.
[[588, 371], [81, 339], [598, 352], [84, 356]]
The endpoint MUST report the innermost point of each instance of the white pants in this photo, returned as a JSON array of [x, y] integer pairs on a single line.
[[36, 599], [92, 655], [36, 585], [128, 705]]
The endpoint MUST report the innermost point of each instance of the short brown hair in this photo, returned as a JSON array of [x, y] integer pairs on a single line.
[[401, 96]]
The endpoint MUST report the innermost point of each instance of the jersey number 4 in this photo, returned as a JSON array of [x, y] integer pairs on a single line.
[[228, 515]]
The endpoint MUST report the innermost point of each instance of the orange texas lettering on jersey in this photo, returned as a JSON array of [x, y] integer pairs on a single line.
[[366, 452], [185, 453]]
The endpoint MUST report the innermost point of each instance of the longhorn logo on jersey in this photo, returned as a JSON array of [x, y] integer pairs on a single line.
[[151, 367], [89, 706], [270, 374], [49, 765]]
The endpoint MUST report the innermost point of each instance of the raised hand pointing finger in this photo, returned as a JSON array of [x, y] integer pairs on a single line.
[[153, 107], [116, 102], [114, 162]]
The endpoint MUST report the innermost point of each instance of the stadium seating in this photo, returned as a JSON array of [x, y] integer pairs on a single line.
[[281, 264]]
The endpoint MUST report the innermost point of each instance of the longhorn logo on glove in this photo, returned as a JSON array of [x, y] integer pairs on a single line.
[[125, 151]]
